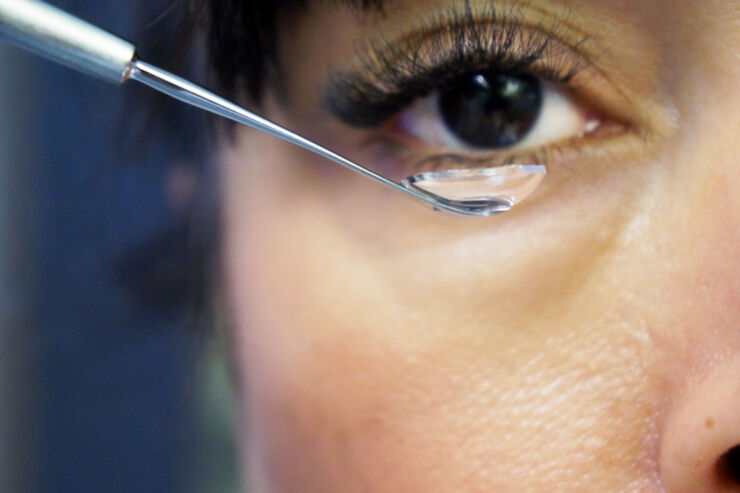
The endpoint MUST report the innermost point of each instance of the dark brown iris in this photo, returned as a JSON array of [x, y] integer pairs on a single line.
[[492, 110]]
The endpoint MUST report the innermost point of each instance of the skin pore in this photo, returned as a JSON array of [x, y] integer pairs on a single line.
[[588, 340]]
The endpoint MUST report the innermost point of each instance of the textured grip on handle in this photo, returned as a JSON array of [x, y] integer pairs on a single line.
[[63, 38]]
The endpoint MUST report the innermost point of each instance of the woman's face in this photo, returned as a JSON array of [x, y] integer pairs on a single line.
[[588, 340]]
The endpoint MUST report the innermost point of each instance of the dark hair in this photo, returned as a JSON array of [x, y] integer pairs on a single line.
[[230, 46], [242, 38], [227, 46]]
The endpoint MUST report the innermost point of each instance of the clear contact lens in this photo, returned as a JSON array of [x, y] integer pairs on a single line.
[[480, 192]]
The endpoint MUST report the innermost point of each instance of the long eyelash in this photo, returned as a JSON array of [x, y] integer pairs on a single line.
[[449, 45]]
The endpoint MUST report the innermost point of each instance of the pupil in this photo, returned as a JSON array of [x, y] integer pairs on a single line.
[[492, 110]]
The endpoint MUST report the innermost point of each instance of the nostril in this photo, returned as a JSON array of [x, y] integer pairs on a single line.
[[728, 466]]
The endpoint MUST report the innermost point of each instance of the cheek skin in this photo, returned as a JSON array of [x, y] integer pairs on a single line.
[[585, 356], [391, 373], [365, 371]]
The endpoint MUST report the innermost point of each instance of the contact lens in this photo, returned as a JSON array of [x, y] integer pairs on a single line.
[[480, 191]]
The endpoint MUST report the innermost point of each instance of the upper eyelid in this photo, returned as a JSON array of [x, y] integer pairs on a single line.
[[379, 83]]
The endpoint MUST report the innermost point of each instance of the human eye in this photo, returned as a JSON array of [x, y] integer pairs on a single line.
[[486, 111], [468, 90]]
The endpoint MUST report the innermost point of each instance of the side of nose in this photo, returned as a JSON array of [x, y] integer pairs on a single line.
[[700, 450], [700, 444]]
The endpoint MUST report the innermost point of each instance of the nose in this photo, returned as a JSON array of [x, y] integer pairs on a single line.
[[700, 449]]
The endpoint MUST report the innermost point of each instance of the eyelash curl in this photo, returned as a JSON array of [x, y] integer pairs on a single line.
[[448, 45]]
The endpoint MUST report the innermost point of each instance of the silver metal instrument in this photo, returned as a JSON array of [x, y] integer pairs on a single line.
[[65, 39]]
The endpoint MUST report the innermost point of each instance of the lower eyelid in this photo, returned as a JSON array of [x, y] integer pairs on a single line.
[[396, 158]]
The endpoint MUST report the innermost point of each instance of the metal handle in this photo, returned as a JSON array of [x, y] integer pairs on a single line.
[[63, 38]]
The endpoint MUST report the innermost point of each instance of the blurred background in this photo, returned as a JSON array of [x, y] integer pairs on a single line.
[[109, 381]]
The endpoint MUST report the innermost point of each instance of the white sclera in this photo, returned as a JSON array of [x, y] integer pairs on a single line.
[[505, 186]]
